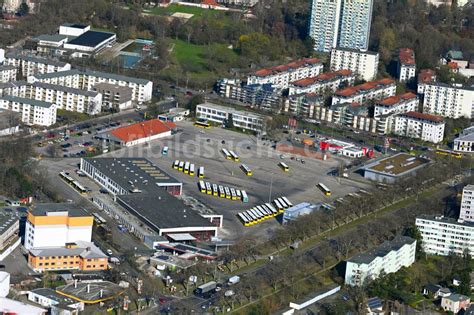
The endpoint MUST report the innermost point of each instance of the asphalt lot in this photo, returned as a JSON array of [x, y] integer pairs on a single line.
[[203, 148]]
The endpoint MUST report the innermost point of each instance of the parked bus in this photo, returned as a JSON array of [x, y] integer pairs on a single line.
[[266, 211], [68, 179], [244, 219], [186, 167], [272, 209], [202, 124], [283, 166], [208, 188], [165, 151], [324, 189], [253, 217], [191, 170], [226, 154], [227, 193], [456, 155], [246, 170], [221, 191], [245, 198], [176, 165], [283, 203], [233, 194], [99, 221], [278, 205], [202, 186], [239, 194], [79, 188], [201, 172], [289, 203], [181, 166], [215, 190], [257, 215], [234, 156]]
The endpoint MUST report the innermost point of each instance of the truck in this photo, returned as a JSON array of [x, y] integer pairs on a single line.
[[234, 280], [206, 288]]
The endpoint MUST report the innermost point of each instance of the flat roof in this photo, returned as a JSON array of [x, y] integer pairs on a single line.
[[6, 67], [91, 292], [287, 67], [445, 220], [112, 76], [51, 38], [35, 59], [163, 211], [468, 137], [8, 218], [398, 164], [75, 25], [86, 250], [182, 237], [26, 101], [360, 51], [42, 209], [91, 38], [231, 110], [63, 88], [145, 175], [381, 251], [52, 295]]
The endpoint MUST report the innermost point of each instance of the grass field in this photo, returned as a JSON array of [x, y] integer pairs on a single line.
[[189, 53]]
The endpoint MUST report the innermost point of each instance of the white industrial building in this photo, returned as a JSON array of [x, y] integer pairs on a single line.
[[141, 89], [31, 65], [373, 90], [49, 298], [388, 257], [467, 204], [54, 225], [280, 76], [7, 73], [33, 112], [406, 65], [73, 29], [442, 235], [465, 141], [453, 101], [420, 126], [407, 102], [329, 81], [219, 114], [363, 63], [75, 100]]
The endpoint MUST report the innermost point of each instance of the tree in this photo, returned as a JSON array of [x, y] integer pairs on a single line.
[[413, 232], [24, 9]]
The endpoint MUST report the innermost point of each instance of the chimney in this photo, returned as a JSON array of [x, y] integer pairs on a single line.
[[88, 288], [75, 283], [101, 293]]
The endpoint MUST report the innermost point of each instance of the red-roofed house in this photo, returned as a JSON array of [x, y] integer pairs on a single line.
[[320, 83], [425, 76], [373, 90], [396, 104], [280, 76], [406, 64], [420, 126], [142, 132]]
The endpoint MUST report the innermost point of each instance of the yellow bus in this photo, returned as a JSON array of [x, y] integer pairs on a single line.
[[191, 170], [324, 189], [221, 191], [201, 172], [244, 219], [181, 166], [283, 166], [234, 156], [186, 167], [208, 188], [246, 170], [226, 154], [215, 190], [202, 124], [227, 193], [202, 187], [176, 164], [456, 155]]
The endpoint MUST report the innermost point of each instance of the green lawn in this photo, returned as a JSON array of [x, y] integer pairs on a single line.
[[189, 53], [178, 8]]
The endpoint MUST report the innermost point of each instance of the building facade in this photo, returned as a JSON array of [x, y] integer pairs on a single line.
[[388, 257], [442, 235], [7, 73], [67, 224], [324, 24], [115, 97], [280, 76], [32, 112], [31, 65], [373, 90], [220, 114], [453, 101], [406, 70], [420, 126], [407, 102], [465, 141], [324, 82], [363, 63], [467, 204], [425, 76]]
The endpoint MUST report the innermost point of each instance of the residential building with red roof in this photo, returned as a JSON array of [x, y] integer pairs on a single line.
[[406, 64], [397, 104], [425, 76], [280, 76], [325, 81], [142, 132], [417, 125], [363, 63], [373, 90]]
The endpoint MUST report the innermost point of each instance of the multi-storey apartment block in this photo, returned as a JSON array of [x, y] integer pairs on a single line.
[[373, 90], [280, 76], [406, 65], [304, 104], [31, 65], [453, 101], [465, 141], [362, 63], [389, 257], [442, 236], [324, 24], [467, 204], [407, 102], [7, 73], [325, 82], [425, 76], [420, 126], [114, 96], [33, 112]]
